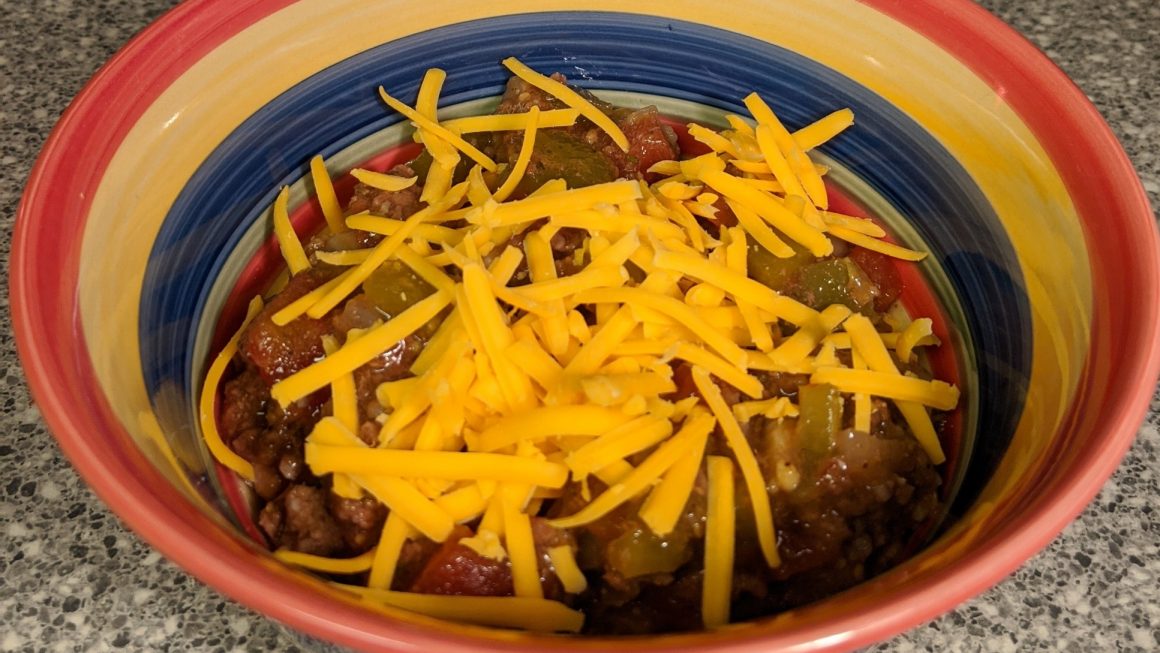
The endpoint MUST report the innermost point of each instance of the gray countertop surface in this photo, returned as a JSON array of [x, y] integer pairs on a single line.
[[73, 578]]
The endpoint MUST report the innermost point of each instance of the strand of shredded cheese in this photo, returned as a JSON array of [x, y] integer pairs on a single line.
[[344, 406], [538, 615], [717, 595], [538, 206], [663, 458], [862, 240], [821, 131], [522, 159], [383, 181], [522, 548], [209, 395], [386, 554], [547, 421], [324, 191], [512, 121], [427, 105], [619, 443], [353, 565], [388, 227], [564, 563], [450, 465], [935, 394], [868, 343], [287, 239]]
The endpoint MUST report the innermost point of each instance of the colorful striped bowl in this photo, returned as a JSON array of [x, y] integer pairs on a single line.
[[148, 205]]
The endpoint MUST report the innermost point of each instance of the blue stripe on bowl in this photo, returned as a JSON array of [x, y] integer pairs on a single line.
[[337, 107]]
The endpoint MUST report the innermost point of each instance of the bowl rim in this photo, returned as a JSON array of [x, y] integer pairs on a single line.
[[219, 562]]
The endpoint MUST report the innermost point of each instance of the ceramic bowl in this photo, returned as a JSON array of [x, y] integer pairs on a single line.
[[145, 220]]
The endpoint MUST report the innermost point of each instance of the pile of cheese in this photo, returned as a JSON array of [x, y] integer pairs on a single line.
[[524, 389]]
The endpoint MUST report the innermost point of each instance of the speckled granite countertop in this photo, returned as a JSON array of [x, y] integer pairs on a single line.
[[73, 578]]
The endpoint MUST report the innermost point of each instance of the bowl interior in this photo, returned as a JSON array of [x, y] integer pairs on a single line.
[[178, 216], [888, 165]]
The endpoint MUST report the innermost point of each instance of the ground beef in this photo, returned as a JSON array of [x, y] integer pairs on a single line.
[[244, 400], [782, 384], [564, 245], [314, 520], [272, 438], [359, 520], [298, 520], [391, 365], [851, 518], [657, 609], [398, 205]]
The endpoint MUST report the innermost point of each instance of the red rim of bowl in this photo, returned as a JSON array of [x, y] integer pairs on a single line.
[[44, 306]]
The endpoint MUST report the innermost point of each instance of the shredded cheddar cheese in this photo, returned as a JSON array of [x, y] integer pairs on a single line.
[[935, 394], [667, 500], [522, 159], [719, 544], [383, 181], [542, 370], [628, 438], [857, 238], [750, 470], [386, 554], [817, 133], [430, 125], [522, 548], [540, 615], [541, 423], [535, 207], [382, 252], [207, 404], [567, 570], [287, 239], [353, 565], [667, 454], [870, 347], [512, 121]]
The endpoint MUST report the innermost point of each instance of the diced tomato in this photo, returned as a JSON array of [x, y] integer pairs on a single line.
[[279, 351], [649, 140], [458, 570], [880, 268]]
